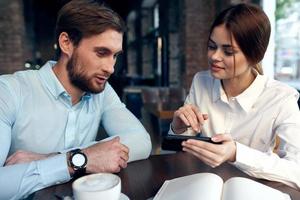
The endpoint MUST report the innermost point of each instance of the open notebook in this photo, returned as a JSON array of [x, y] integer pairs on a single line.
[[210, 186]]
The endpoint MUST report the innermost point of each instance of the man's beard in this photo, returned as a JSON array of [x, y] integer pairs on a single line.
[[79, 79]]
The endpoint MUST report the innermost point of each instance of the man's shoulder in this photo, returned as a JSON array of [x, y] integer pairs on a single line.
[[108, 89], [18, 75], [106, 93], [18, 79], [106, 99]]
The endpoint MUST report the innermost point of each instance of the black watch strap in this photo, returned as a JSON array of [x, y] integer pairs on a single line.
[[79, 170]]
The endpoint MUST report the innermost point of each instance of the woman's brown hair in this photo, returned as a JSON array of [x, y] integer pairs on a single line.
[[250, 28]]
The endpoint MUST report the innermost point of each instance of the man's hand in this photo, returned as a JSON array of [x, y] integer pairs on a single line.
[[25, 157], [188, 116], [212, 154], [110, 156]]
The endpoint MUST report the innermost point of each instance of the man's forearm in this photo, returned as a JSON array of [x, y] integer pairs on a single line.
[[33, 176]]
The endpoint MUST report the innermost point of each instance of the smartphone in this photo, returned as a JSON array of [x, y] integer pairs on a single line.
[[173, 142]]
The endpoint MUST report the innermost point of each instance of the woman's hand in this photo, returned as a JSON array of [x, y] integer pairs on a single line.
[[188, 116], [212, 154]]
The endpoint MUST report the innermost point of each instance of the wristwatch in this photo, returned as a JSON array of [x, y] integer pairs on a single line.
[[77, 161]]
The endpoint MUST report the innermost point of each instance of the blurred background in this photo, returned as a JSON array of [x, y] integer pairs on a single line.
[[164, 47]]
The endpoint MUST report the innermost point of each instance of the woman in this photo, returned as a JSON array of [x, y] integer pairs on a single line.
[[235, 104]]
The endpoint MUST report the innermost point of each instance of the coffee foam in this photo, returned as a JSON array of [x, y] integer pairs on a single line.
[[97, 182]]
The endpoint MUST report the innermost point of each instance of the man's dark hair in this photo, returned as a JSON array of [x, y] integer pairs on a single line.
[[85, 18]]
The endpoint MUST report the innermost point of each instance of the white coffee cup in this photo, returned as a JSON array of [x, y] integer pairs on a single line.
[[97, 186]]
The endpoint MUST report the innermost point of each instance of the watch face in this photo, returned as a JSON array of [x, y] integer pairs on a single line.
[[78, 160]]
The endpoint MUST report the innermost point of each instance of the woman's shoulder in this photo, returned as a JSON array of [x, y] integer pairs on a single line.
[[203, 81], [203, 76], [280, 86], [281, 89]]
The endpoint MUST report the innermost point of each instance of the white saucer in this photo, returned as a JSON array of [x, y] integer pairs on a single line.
[[123, 197]]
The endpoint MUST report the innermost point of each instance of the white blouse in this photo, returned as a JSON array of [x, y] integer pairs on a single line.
[[265, 109]]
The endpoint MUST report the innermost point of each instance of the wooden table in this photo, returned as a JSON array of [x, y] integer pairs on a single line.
[[142, 179]]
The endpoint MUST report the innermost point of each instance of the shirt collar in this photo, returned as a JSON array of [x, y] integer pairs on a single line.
[[50, 80], [218, 91], [53, 84], [247, 98]]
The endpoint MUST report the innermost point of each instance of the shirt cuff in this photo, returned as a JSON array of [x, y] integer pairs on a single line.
[[54, 170], [245, 157]]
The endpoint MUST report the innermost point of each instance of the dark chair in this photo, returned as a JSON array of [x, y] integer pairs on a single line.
[[133, 100], [150, 95], [177, 94]]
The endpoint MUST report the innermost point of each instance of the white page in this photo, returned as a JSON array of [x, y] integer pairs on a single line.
[[193, 187], [238, 188]]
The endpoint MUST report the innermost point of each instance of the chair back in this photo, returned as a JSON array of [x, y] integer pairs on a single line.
[[163, 94], [150, 95], [177, 94]]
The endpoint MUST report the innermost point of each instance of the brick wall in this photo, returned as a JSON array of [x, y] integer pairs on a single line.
[[196, 18], [174, 40], [12, 33]]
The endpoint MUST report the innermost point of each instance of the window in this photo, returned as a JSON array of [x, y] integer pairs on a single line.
[[287, 42]]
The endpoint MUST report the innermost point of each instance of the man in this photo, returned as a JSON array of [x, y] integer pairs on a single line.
[[59, 108]]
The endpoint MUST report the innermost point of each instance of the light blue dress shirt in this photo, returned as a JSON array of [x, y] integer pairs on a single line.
[[36, 114]]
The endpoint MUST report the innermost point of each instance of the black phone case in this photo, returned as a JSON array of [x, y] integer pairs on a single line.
[[173, 142]]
